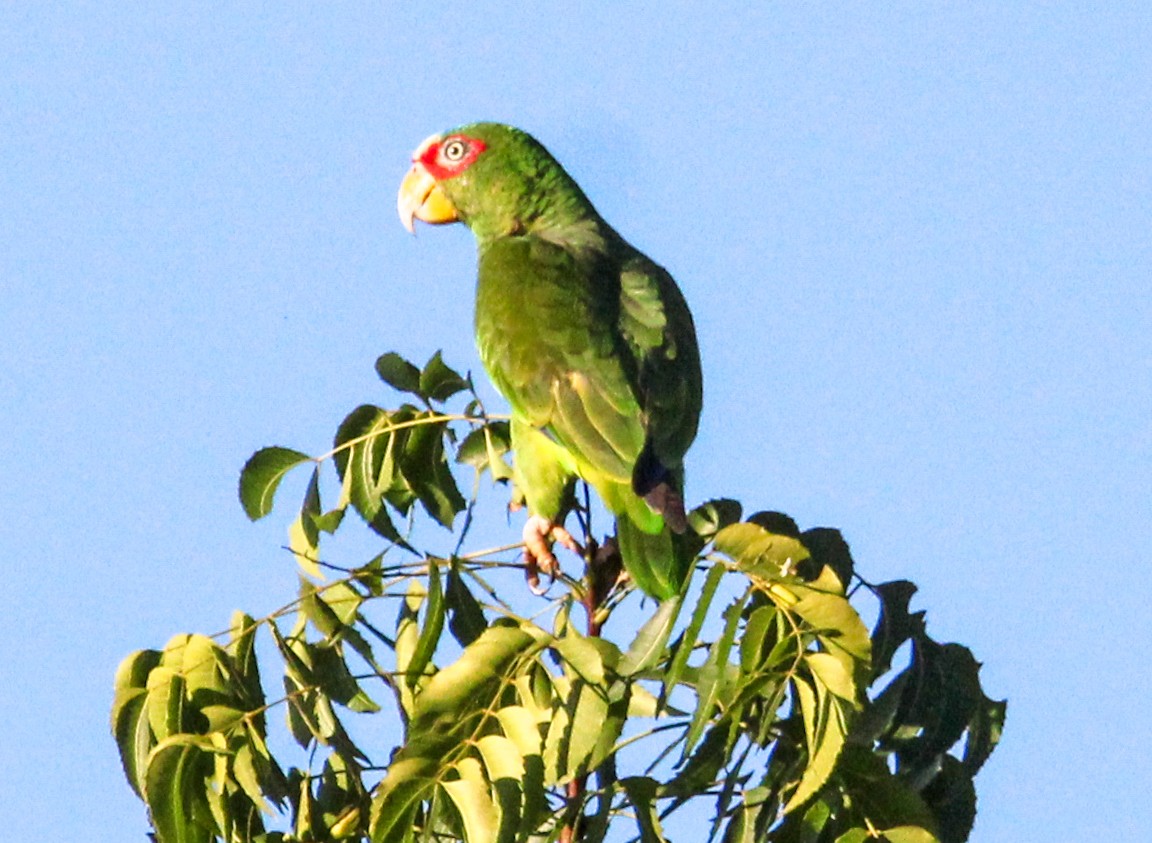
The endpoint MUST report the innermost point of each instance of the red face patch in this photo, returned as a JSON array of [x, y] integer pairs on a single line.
[[444, 159]]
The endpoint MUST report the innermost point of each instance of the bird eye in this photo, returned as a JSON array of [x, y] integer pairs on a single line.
[[454, 150]]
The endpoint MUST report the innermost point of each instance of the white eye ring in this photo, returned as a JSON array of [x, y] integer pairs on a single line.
[[454, 151]]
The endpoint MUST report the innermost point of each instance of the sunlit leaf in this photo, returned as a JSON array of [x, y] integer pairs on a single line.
[[175, 789], [826, 727], [261, 476], [472, 676], [469, 794], [710, 684], [687, 642], [831, 673], [429, 637], [652, 639], [759, 552]]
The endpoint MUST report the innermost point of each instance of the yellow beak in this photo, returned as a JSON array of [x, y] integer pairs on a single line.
[[421, 198]]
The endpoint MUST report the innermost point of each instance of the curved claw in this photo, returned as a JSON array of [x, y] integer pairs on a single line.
[[539, 534]]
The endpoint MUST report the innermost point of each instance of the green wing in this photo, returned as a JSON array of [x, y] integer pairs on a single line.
[[598, 359]]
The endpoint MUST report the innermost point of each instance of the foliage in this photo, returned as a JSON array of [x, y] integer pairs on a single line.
[[759, 691]]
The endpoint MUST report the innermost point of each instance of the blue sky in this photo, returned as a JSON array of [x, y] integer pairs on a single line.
[[916, 241]]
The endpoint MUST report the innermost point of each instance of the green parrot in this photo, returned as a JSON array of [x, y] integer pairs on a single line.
[[590, 342]]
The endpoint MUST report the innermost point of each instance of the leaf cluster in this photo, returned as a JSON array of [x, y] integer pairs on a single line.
[[427, 705]]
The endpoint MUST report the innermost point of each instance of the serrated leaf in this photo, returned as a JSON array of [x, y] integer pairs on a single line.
[[469, 794], [704, 764], [582, 655], [894, 625], [828, 547], [753, 642], [758, 552], [710, 683], [244, 769], [336, 680], [398, 373], [687, 642], [831, 673], [652, 639], [394, 808], [825, 727], [940, 700], [484, 449], [473, 676], [165, 702], [710, 517], [261, 476], [822, 604], [641, 792], [175, 789], [438, 381], [133, 735], [427, 472], [984, 732], [429, 637]]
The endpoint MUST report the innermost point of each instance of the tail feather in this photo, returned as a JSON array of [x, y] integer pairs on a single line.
[[657, 562]]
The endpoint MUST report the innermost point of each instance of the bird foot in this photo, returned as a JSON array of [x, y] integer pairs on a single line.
[[539, 534]]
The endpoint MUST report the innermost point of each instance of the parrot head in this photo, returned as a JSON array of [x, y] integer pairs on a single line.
[[496, 179]]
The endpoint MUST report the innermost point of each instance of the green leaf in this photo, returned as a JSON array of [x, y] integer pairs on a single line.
[[244, 769], [912, 834], [951, 795], [438, 381], [650, 642], [755, 643], [502, 758], [583, 655], [710, 685], [129, 717], [758, 552], [704, 764], [429, 637], [165, 702], [469, 794], [175, 788], [938, 703], [709, 518], [984, 733], [687, 641], [465, 616], [484, 449], [831, 673], [261, 476], [133, 736], [303, 542], [828, 547], [825, 726], [823, 605], [394, 807], [472, 678], [895, 624], [398, 373], [425, 468], [335, 679], [641, 792]]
